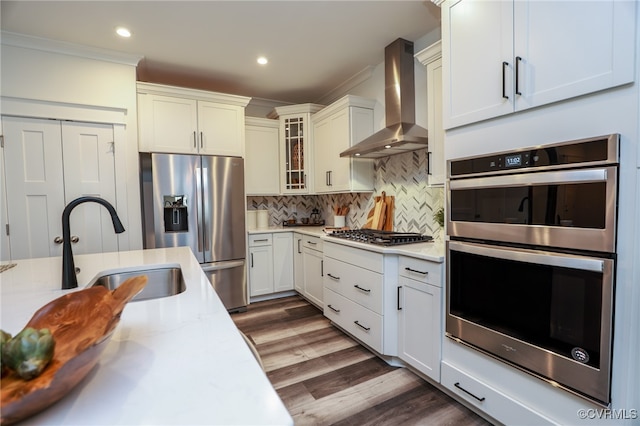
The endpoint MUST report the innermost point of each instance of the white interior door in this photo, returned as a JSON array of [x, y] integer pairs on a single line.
[[89, 170], [35, 186]]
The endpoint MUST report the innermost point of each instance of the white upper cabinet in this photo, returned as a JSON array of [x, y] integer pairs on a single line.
[[188, 121], [335, 129], [262, 156], [296, 142], [431, 58], [506, 56]]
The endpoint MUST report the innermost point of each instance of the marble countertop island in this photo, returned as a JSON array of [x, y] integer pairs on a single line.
[[173, 360]]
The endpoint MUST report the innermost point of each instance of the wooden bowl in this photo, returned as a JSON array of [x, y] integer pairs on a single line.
[[81, 324]]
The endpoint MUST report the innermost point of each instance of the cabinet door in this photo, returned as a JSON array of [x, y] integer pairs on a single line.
[[561, 53], [221, 129], [261, 270], [89, 170], [322, 147], [298, 265], [168, 124], [262, 160], [282, 261], [293, 155], [420, 326], [436, 163], [477, 46], [339, 140], [34, 185], [313, 276]]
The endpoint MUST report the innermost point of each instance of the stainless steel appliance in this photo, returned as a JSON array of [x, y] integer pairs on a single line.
[[531, 260], [198, 201], [381, 238]]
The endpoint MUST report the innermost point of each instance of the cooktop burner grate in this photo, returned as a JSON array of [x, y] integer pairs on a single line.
[[382, 238]]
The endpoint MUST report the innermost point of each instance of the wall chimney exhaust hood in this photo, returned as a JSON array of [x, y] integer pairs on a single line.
[[401, 134]]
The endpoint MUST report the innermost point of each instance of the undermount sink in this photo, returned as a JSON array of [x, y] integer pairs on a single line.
[[162, 282]]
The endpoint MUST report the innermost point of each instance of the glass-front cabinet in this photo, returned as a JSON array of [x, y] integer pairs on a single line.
[[296, 144]]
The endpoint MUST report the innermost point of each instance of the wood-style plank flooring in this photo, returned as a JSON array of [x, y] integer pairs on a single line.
[[324, 377]]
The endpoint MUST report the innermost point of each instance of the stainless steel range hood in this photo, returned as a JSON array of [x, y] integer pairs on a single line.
[[401, 134]]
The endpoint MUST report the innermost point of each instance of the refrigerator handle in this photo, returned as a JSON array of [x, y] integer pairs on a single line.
[[208, 267], [199, 200]]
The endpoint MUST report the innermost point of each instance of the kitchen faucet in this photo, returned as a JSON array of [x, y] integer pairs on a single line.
[[69, 279]]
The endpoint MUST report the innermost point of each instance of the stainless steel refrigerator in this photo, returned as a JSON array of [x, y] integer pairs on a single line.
[[198, 201]]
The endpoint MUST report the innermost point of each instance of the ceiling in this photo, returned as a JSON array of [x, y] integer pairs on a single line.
[[313, 46]]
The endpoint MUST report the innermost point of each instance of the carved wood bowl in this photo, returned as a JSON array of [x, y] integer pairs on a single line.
[[81, 323]]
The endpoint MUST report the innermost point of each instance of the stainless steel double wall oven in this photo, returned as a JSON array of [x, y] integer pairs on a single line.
[[531, 259]]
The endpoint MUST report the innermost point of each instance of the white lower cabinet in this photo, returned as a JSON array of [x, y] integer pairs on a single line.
[[270, 263], [420, 314], [357, 297], [488, 399], [298, 265], [313, 270]]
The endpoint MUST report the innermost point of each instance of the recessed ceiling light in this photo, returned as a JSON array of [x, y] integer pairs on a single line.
[[387, 146], [262, 60], [123, 32]]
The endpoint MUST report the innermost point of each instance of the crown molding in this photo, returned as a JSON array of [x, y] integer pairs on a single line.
[[55, 46], [430, 53]]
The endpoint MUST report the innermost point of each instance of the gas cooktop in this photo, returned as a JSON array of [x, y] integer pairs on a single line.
[[381, 238]]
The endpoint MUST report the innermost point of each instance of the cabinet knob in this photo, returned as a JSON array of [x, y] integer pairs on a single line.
[[58, 240], [75, 239]]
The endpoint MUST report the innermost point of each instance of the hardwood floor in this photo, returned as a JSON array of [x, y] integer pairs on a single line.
[[325, 377]]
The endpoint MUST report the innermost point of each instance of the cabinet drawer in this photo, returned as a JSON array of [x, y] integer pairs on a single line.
[[355, 256], [358, 321], [360, 285], [314, 243], [420, 270], [256, 240], [491, 401]]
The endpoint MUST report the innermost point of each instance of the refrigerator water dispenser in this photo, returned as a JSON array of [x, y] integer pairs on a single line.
[[175, 214]]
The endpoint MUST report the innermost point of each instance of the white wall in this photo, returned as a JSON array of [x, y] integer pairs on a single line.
[[41, 78]]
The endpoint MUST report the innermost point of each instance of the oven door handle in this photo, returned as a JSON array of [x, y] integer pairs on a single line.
[[534, 256], [548, 178]]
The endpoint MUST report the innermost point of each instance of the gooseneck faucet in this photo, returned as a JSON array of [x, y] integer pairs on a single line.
[[69, 279]]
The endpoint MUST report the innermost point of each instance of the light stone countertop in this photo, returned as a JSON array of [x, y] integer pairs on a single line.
[[432, 251], [174, 360]]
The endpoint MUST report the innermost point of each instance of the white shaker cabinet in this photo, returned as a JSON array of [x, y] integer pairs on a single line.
[[431, 58], [298, 264], [336, 128], [270, 263], [188, 121], [49, 163], [262, 156], [313, 270], [420, 315], [506, 56]]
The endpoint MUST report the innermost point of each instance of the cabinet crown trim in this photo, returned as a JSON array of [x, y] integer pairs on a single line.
[[261, 122], [430, 53], [298, 109], [196, 94], [345, 102]]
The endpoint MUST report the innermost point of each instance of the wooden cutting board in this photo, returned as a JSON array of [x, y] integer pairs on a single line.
[[381, 215]]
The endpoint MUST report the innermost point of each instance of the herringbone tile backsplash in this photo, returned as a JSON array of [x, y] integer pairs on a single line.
[[402, 175]]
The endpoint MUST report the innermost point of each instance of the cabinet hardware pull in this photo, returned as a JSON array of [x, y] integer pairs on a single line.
[[322, 268], [252, 260], [58, 240], [337, 311], [299, 241], [311, 242], [260, 240], [429, 163], [75, 239], [362, 326], [195, 140], [201, 140], [416, 271], [326, 178], [362, 289], [518, 60], [330, 183], [399, 307], [504, 93], [457, 384], [334, 277]]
